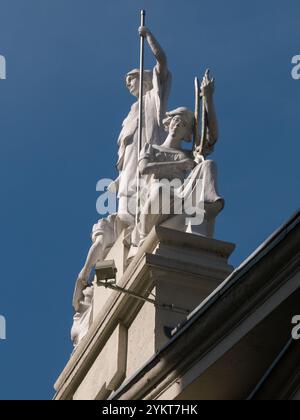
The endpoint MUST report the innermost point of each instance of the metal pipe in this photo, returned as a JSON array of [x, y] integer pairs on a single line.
[[166, 307]]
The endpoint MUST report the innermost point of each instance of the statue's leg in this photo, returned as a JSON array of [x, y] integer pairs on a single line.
[[128, 186], [156, 211], [126, 216], [213, 203]]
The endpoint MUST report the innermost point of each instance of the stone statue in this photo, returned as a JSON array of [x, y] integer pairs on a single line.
[[170, 162], [157, 85]]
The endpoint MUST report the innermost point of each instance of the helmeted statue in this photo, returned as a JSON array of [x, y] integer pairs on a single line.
[[194, 191], [157, 85]]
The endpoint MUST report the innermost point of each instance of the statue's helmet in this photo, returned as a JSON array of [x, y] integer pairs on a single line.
[[187, 116], [148, 77]]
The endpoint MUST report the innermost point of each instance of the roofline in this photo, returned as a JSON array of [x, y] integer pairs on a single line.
[[275, 239]]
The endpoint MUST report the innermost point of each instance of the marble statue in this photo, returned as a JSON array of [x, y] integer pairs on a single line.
[[157, 85], [201, 185], [168, 162]]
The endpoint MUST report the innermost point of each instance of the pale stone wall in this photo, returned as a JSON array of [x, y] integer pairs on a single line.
[[108, 370], [141, 339]]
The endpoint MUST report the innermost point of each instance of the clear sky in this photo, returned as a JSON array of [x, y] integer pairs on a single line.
[[61, 110]]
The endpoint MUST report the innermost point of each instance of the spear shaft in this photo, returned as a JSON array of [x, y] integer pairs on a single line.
[[197, 114], [140, 127], [204, 126]]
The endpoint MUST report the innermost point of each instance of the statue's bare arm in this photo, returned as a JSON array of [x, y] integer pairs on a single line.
[[148, 168], [208, 88], [94, 255], [158, 52]]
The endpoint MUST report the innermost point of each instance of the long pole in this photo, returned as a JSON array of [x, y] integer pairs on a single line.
[[204, 118], [140, 128], [204, 126], [197, 114]]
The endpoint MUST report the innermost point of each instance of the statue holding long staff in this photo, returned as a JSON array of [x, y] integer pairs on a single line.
[[143, 124]]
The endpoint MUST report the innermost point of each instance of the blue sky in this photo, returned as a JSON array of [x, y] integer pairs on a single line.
[[61, 110]]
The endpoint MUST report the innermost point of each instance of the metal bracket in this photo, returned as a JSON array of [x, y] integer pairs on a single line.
[[108, 284], [106, 272]]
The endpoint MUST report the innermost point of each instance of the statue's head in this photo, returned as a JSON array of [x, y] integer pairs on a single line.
[[180, 123], [132, 80]]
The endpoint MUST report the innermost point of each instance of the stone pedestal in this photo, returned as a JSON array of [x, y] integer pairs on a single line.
[[181, 271], [172, 268]]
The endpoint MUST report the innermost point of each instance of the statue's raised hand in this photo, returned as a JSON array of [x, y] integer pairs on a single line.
[[144, 31], [207, 86]]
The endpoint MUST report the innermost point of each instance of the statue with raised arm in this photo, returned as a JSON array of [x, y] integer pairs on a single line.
[[194, 179], [157, 85]]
